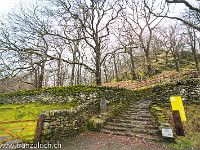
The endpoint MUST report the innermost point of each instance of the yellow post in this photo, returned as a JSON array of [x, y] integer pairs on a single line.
[[177, 104]]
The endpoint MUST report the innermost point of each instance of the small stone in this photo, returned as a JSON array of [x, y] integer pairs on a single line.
[[54, 123], [46, 132], [52, 113], [46, 125]]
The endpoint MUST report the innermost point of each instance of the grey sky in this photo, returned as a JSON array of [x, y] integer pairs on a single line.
[[9, 5]]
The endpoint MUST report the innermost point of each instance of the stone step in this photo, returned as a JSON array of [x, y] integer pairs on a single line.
[[136, 115], [139, 118], [135, 111], [139, 108], [128, 125], [146, 131], [130, 134], [140, 114], [115, 128], [135, 130], [118, 120], [136, 121]]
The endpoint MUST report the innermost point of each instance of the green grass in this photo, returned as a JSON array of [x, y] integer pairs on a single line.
[[191, 128], [13, 112]]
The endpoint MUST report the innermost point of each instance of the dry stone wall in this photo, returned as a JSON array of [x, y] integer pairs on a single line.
[[59, 124], [188, 89], [50, 95], [46, 98]]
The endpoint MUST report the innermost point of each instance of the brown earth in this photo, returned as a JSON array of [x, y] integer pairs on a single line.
[[100, 141]]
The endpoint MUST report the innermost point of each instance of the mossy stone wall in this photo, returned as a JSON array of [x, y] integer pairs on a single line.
[[77, 93], [59, 124], [188, 89]]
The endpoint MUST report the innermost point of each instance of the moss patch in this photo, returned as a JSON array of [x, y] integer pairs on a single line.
[[29, 111]]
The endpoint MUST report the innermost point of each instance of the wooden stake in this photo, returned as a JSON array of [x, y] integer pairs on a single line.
[[38, 132], [178, 124]]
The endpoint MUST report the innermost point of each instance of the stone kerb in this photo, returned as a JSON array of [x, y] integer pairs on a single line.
[[161, 121]]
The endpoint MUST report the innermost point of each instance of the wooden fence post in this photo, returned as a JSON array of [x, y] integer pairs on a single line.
[[38, 132], [178, 124]]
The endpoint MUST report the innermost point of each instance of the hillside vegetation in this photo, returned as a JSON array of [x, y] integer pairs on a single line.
[[160, 66], [191, 128]]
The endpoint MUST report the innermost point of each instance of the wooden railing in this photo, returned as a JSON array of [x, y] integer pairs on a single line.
[[23, 131], [150, 82]]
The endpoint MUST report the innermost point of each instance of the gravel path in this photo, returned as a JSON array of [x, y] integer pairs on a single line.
[[100, 141]]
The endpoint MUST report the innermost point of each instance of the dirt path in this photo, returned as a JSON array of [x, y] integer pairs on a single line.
[[99, 141]]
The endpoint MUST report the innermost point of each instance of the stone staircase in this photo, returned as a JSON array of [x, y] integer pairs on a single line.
[[136, 121]]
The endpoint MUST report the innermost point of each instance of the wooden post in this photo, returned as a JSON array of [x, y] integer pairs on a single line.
[[178, 124], [38, 132], [137, 84]]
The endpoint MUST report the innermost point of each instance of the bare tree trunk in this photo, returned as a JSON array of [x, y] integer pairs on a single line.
[[156, 55], [149, 69], [36, 78], [78, 75], [176, 62], [41, 76], [166, 59], [97, 64], [58, 72], [105, 72], [192, 35], [195, 58], [133, 75], [115, 68], [54, 80], [81, 71], [73, 65]]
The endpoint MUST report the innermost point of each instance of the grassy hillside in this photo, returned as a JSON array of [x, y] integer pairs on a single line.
[[159, 65]]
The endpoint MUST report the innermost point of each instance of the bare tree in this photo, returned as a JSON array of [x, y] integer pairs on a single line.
[[189, 5], [93, 22], [26, 34], [174, 41], [193, 44], [142, 24]]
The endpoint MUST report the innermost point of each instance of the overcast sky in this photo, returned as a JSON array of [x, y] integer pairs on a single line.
[[8, 5]]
